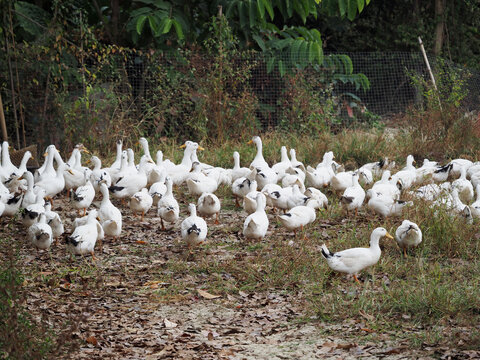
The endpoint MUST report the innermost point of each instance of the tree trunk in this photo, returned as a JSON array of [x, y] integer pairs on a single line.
[[440, 27]]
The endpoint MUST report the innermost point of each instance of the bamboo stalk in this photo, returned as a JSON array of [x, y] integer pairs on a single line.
[[3, 124], [430, 71]]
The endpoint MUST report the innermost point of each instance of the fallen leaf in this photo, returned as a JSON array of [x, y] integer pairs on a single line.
[[169, 324], [141, 242], [92, 340], [207, 295], [210, 336]]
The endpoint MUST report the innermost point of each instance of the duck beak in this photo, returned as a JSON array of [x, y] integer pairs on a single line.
[[45, 154], [200, 148], [389, 236], [250, 142], [183, 146], [70, 171]]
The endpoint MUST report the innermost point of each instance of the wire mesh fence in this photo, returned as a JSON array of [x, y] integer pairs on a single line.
[[188, 95]]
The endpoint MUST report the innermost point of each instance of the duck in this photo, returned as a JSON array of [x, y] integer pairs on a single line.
[[84, 237], [341, 180], [458, 164], [40, 234], [121, 170], [283, 165], [158, 189], [83, 196], [242, 186], [131, 182], [321, 176], [365, 176], [385, 205], [167, 207], [141, 202], [208, 204], [158, 171], [179, 172], [259, 160], [288, 197], [442, 173], [237, 171], [31, 214], [317, 196], [295, 163], [475, 207], [353, 196], [12, 202], [408, 235], [464, 186], [298, 217], [354, 260], [250, 202], [405, 178], [98, 174], [118, 158], [193, 228], [29, 196], [55, 185], [55, 222], [109, 215], [74, 174], [198, 183], [378, 167], [425, 172], [265, 175], [7, 165], [256, 224], [146, 151], [18, 172], [268, 189], [47, 168], [385, 186], [294, 176]]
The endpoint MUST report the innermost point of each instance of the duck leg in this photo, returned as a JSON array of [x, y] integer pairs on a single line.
[[93, 256], [216, 219], [356, 279], [143, 214], [405, 251], [163, 226], [237, 204], [84, 211]]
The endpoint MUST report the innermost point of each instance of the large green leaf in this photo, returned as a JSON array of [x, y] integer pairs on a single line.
[[281, 68], [140, 23], [178, 29], [39, 16], [352, 9]]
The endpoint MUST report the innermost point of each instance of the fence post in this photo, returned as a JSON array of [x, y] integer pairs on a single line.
[[430, 71]]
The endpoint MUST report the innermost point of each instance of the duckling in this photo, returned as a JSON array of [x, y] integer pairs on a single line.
[[193, 228], [408, 235], [109, 215], [352, 261], [167, 207], [83, 196], [209, 204], [40, 233], [84, 237], [256, 224], [141, 202], [353, 196]]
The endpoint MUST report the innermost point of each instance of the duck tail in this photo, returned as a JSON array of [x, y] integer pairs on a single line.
[[325, 252]]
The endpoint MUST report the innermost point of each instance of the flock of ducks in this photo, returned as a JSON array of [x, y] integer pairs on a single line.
[[291, 190]]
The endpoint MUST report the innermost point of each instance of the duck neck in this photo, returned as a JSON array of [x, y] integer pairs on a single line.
[[187, 157], [259, 155], [5, 155], [284, 155], [23, 164], [159, 158], [97, 164], [193, 210], [236, 161]]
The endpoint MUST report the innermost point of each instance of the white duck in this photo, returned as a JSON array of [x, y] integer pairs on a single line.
[[109, 215], [237, 171], [256, 224], [75, 172], [385, 186], [385, 205], [118, 159], [198, 183], [179, 172], [141, 202], [294, 176], [84, 237], [354, 260], [378, 167], [167, 207], [54, 220], [295, 163], [98, 174], [464, 186], [12, 203], [475, 207], [265, 175], [405, 178], [47, 168], [317, 196], [158, 172], [341, 180], [131, 182], [283, 165], [353, 196], [426, 171], [7, 165], [158, 189], [40, 234], [54, 185], [193, 228], [29, 197], [458, 164], [31, 214], [83, 196], [208, 205], [298, 217], [259, 160], [242, 186], [250, 202], [408, 235]]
